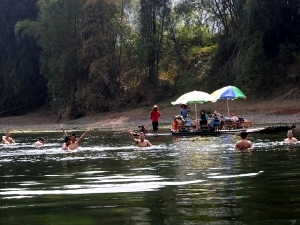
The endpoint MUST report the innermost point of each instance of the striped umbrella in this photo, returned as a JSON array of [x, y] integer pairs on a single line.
[[228, 93]]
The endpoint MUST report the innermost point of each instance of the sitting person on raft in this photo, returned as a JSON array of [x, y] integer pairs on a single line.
[[178, 120], [233, 117], [216, 121], [194, 123], [203, 117]]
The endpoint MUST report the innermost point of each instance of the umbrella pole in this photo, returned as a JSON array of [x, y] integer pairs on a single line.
[[228, 109], [196, 110]]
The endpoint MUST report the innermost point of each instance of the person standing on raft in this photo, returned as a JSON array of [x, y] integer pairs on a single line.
[[154, 115]]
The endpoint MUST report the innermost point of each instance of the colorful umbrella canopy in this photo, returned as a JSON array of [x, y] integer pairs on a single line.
[[228, 93], [194, 97]]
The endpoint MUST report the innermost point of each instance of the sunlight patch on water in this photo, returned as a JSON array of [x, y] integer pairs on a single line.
[[111, 184], [91, 172], [265, 145], [97, 189], [119, 178], [30, 183], [19, 197], [234, 176], [29, 153]]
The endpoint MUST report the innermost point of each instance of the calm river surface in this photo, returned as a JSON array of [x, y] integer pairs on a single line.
[[181, 180]]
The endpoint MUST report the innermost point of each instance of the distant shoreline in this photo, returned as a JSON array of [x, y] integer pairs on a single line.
[[261, 114], [53, 128]]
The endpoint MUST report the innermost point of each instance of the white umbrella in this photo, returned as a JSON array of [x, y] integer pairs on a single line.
[[194, 97]]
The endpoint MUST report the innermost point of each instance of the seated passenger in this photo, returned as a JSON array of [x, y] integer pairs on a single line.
[[175, 125], [216, 121], [180, 120], [143, 129], [203, 117], [195, 123], [233, 117]]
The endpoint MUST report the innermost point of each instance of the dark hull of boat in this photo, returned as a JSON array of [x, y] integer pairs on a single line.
[[274, 129], [200, 133]]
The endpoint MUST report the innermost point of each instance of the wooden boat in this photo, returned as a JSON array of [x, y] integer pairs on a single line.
[[262, 130], [272, 129], [188, 130], [197, 132]]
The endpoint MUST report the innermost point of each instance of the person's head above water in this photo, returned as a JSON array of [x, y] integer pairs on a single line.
[[289, 134], [67, 140], [142, 136], [73, 137], [244, 134]]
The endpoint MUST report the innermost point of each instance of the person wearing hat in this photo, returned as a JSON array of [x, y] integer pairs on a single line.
[[154, 115], [40, 142]]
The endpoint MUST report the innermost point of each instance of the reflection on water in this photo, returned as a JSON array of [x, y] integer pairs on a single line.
[[180, 180]]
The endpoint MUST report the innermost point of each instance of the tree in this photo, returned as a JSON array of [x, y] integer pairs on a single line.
[[154, 18], [57, 33], [99, 58], [23, 88]]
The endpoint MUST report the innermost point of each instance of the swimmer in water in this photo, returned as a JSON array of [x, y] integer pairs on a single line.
[[290, 138], [69, 145], [141, 142], [40, 142], [7, 139], [243, 145], [73, 136]]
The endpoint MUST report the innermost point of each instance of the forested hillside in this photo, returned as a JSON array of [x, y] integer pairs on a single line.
[[86, 56]]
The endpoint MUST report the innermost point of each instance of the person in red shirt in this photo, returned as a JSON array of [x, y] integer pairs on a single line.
[[154, 114]]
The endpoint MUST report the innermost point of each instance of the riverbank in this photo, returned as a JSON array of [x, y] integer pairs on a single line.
[[274, 112]]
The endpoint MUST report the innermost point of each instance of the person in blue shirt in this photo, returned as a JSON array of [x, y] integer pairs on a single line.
[[216, 121], [184, 111]]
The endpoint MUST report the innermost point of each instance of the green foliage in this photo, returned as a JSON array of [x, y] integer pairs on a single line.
[[154, 18], [95, 55], [22, 86]]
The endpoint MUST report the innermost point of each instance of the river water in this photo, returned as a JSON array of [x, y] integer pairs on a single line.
[[180, 180]]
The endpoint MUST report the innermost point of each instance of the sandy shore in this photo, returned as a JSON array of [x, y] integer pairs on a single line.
[[275, 112]]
